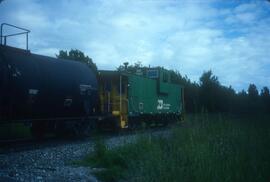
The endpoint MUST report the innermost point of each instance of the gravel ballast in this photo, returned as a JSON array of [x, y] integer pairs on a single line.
[[54, 163]]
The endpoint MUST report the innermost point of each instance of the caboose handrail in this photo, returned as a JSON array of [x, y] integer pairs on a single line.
[[25, 31]]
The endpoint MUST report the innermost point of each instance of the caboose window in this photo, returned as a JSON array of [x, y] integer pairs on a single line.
[[152, 73]]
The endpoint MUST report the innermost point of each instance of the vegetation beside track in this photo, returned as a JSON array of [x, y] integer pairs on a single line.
[[14, 131], [207, 148]]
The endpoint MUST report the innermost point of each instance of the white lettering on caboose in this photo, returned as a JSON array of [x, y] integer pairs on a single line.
[[161, 105]]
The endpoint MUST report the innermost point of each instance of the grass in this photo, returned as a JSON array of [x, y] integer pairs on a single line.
[[14, 131], [207, 148]]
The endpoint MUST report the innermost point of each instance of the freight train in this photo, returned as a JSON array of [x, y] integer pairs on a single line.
[[55, 95]]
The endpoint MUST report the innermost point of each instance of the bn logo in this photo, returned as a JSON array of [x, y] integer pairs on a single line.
[[160, 104]]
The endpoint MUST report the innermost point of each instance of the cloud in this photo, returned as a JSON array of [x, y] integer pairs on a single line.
[[232, 39]]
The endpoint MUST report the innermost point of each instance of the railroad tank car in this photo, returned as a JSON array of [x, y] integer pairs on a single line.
[[148, 96], [44, 90]]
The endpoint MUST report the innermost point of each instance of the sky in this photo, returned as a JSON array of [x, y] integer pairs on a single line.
[[231, 38]]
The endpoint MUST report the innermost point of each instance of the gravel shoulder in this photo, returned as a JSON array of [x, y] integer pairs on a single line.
[[54, 163]]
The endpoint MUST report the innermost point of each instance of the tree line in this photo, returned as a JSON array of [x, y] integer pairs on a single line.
[[211, 96], [206, 95]]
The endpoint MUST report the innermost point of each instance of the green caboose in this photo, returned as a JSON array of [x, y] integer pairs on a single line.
[[145, 96]]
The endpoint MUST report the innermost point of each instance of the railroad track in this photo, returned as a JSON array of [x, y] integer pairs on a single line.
[[26, 144], [22, 144], [51, 159]]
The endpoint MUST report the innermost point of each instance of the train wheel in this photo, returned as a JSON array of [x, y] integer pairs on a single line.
[[84, 128], [132, 125]]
